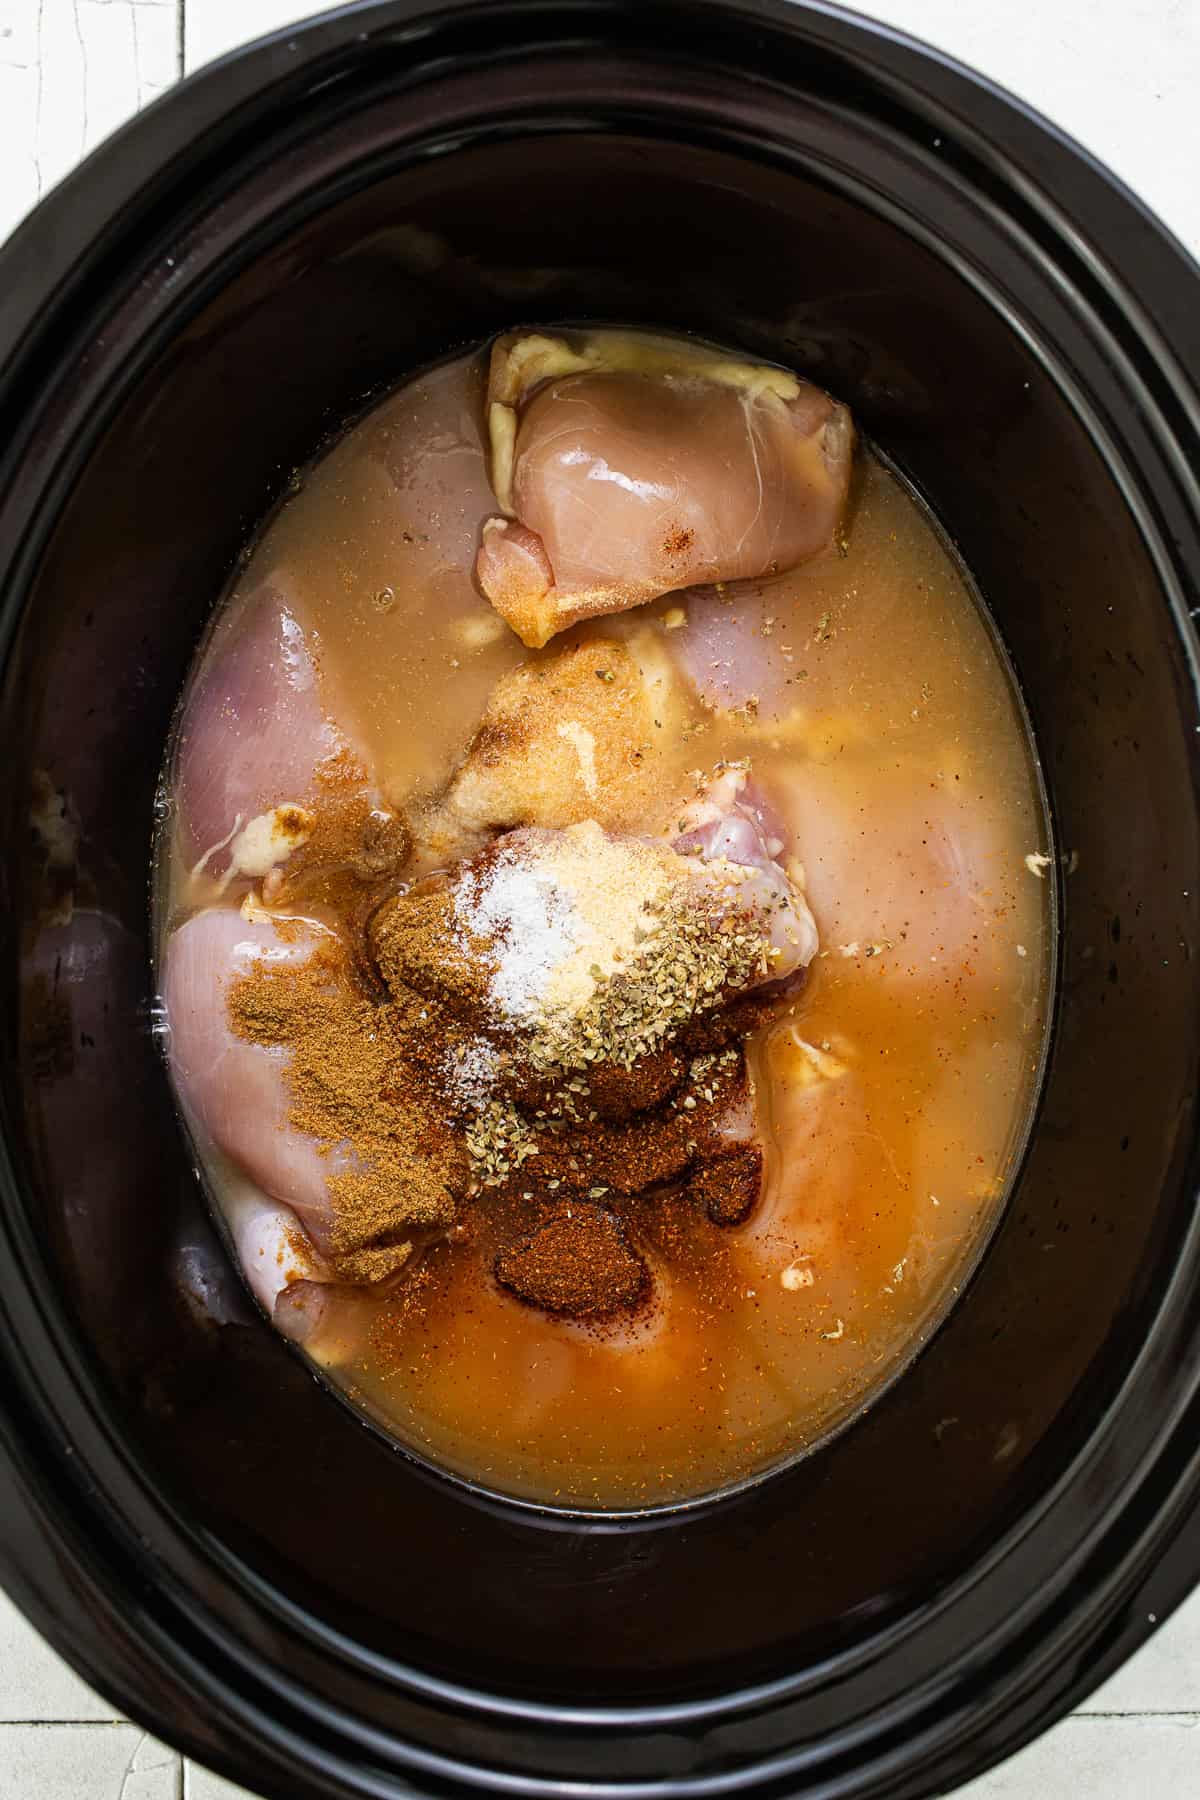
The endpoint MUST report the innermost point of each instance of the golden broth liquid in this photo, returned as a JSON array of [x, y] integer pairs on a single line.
[[893, 1090]]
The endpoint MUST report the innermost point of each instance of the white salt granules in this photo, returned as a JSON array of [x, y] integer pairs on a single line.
[[562, 909], [471, 1073], [533, 927]]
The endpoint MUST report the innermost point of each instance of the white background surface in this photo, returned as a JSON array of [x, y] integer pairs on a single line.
[[1123, 76]]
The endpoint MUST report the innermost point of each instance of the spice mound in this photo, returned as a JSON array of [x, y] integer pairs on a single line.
[[396, 1170], [550, 1035], [589, 949], [577, 1263]]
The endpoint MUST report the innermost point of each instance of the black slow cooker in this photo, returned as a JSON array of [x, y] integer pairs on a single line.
[[188, 1516]]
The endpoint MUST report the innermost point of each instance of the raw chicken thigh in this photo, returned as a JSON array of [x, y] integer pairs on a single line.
[[253, 738], [732, 826], [903, 862], [236, 1093], [803, 1236], [921, 888], [581, 734], [731, 654], [632, 466]]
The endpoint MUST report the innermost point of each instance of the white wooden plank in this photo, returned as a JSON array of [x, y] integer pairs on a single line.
[[1120, 75], [85, 1762], [214, 27], [202, 1784], [71, 71], [34, 1682], [1100, 1759], [1163, 1677], [20, 102]]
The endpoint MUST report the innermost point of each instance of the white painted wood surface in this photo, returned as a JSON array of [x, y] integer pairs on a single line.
[[1123, 76]]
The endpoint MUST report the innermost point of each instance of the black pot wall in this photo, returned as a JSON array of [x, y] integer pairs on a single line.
[[198, 1526]]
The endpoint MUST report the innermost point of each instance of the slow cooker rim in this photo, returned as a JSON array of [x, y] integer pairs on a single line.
[[270, 46], [216, 91]]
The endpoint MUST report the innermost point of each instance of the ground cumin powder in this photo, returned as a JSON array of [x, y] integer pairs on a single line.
[[348, 842], [395, 1167]]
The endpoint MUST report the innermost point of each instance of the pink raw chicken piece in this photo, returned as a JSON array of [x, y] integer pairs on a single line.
[[236, 1090], [626, 483], [732, 823], [918, 879], [894, 854], [253, 732], [282, 1270], [428, 439], [806, 1222], [277, 1259], [728, 656], [289, 1279]]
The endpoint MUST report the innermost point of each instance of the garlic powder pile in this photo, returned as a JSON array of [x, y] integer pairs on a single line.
[[563, 910]]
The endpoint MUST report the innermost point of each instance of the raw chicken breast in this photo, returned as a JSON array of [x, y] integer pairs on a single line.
[[290, 1281], [331, 1320], [253, 737], [275, 1197], [235, 1090], [555, 915], [733, 829], [632, 466], [903, 868], [428, 441], [282, 1269], [581, 734], [275, 1254], [803, 1236], [731, 653]]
